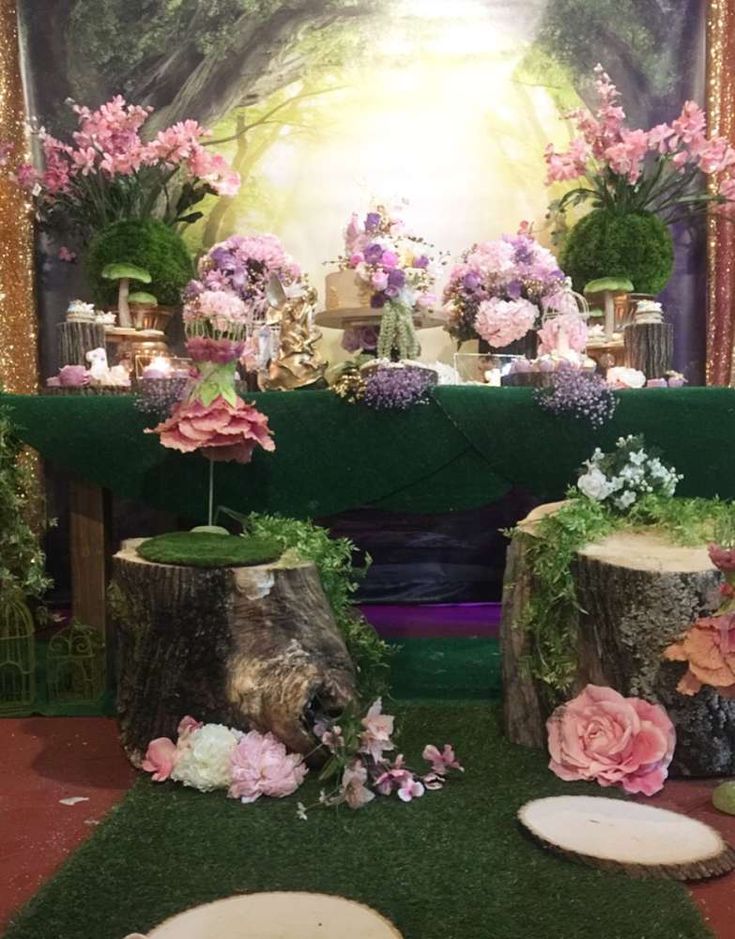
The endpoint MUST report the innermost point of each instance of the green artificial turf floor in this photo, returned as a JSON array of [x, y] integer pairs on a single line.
[[452, 865]]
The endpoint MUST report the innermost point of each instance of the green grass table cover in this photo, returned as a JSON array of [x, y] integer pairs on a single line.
[[465, 448]]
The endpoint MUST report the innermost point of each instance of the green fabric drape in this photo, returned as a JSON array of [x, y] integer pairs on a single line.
[[464, 449]]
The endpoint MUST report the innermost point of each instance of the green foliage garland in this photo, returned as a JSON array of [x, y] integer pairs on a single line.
[[22, 574], [551, 617], [635, 245], [145, 243], [397, 333], [333, 558]]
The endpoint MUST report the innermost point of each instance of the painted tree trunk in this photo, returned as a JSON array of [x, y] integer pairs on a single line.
[[649, 347], [638, 593], [75, 340], [252, 647]]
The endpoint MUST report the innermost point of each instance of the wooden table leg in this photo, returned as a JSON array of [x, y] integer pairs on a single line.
[[89, 534]]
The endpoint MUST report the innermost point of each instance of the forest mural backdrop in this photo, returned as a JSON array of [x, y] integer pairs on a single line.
[[324, 104]]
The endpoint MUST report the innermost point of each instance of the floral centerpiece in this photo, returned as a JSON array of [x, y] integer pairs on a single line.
[[625, 475], [398, 271], [498, 290], [638, 182], [109, 172]]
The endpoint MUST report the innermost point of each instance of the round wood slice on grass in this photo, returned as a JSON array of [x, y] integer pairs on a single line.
[[277, 916], [617, 835]]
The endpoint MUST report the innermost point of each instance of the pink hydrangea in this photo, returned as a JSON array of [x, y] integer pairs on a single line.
[[261, 766], [570, 326], [501, 322], [602, 736]]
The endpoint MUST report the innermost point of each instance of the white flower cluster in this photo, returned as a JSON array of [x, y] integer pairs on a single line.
[[622, 477], [204, 763]]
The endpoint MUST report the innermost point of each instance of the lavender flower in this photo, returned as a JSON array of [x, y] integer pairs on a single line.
[[397, 388], [363, 338], [579, 395]]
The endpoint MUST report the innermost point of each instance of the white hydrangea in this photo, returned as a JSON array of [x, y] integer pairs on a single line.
[[204, 760], [626, 499]]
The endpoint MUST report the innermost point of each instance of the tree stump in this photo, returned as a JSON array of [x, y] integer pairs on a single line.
[[75, 340], [639, 593], [649, 347], [251, 647]]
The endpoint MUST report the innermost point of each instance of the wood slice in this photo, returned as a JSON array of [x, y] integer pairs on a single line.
[[649, 347], [277, 915], [618, 835], [252, 647], [75, 340], [639, 593]]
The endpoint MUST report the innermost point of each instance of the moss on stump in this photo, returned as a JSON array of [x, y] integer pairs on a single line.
[[206, 549]]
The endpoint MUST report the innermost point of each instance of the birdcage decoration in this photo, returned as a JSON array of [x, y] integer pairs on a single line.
[[564, 323], [76, 665], [17, 656]]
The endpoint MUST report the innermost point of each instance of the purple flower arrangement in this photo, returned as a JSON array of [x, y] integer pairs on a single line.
[[397, 388], [397, 267], [498, 289], [243, 266], [360, 339], [578, 394]]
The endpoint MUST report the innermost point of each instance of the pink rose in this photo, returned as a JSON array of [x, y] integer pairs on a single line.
[[357, 258], [389, 259], [160, 758], [602, 736], [261, 766], [221, 431], [379, 280]]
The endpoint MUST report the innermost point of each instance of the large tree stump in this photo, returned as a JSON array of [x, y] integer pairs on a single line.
[[252, 647], [639, 593], [75, 340], [649, 347]]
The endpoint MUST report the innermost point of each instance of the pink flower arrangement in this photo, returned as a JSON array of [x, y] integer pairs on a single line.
[[565, 332], [602, 736], [110, 172], [220, 430], [212, 756], [513, 270], [357, 749], [261, 766], [657, 170]]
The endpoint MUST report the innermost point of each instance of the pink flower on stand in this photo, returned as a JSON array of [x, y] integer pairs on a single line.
[[220, 430], [160, 758], [602, 736]]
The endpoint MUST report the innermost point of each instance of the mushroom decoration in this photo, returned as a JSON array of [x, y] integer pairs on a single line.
[[124, 273], [608, 287]]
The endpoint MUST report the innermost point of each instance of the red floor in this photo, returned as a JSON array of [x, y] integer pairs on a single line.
[[49, 759]]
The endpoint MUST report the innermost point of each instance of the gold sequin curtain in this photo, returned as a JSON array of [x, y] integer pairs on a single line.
[[18, 332], [721, 235]]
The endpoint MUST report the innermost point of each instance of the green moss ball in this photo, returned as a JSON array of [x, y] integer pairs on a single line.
[[206, 549], [637, 246], [146, 243]]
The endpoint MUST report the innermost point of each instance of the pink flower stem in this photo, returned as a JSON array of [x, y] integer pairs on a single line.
[[211, 492]]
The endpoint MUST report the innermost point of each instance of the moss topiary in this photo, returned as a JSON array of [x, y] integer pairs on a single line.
[[635, 245], [204, 549], [145, 243]]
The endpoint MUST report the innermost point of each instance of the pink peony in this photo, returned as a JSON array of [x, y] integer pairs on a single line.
[[160, 758], [261, 766], [378, 730], [602, 736], [187, 725], [501, 322], [442, 760], [220, 430], [354, 791]]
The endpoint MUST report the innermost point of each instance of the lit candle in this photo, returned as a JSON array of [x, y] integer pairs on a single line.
[[158, 367], [492, 377]]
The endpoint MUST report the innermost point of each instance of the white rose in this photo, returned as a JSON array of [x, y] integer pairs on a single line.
[[204, 762], [594, 484]]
